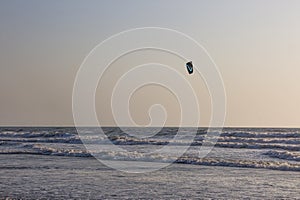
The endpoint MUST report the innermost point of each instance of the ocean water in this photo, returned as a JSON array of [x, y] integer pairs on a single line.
[[244, 163]]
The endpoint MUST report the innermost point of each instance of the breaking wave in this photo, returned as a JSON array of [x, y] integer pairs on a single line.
[[185, 159], [274, 149]]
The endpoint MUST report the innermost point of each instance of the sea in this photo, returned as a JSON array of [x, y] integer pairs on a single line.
[[59, 163]]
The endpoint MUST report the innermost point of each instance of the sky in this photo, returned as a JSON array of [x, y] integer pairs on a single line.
[[254, 43]]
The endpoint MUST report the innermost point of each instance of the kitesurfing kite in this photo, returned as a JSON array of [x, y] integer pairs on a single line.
[[189, 67]]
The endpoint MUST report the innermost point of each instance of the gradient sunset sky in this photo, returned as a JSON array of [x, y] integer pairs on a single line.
[[255, 44]]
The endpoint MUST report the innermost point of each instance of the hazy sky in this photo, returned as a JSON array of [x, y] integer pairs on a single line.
[[255, 43]]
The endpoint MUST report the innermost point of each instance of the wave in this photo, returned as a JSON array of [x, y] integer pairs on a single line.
[[185, 159], [292, 140], [43, 134], [222, 142], [274, 149], [241, 163], [41, 140], [258, 146], [259, 134], [285, 155], [291, 144], [44, 150]]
